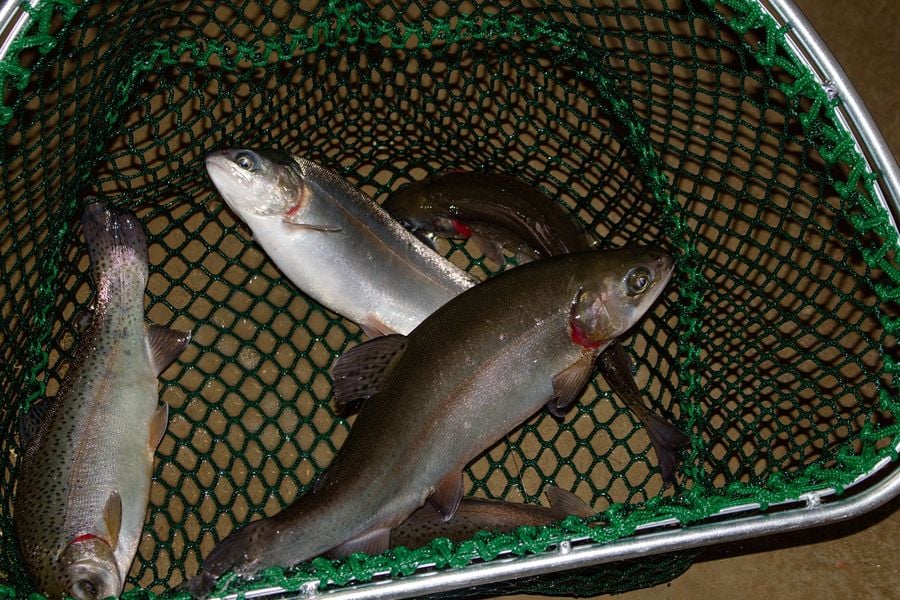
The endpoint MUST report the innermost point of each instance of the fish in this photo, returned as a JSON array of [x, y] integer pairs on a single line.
[[495, 211], [500, 212], [434, 400], [345, 251], [333, 242], [83, 483], [476, 514]]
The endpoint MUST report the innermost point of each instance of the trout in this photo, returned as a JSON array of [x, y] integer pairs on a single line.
[[84, 480], [497, 212], [475, 514], [333, 242], [434, 400]]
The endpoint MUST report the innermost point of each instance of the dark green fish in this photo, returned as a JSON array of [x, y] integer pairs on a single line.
[[434, 400], [497, 212], [84, 481]]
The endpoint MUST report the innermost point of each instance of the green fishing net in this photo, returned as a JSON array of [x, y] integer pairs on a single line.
[[685, 124]]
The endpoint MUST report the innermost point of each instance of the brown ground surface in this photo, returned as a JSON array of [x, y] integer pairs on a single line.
[[860, 558]]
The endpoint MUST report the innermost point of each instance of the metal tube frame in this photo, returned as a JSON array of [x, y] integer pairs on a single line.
[[811, 510]]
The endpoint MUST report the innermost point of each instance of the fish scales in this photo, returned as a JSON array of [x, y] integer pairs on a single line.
[[471, 372], [96, 437]]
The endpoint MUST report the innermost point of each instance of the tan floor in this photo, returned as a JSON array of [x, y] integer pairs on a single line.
[[861, 558]]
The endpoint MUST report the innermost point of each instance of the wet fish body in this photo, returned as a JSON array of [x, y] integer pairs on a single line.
[[434, 400], [84, 480], [475, 514], [497, 211], [333, 242]]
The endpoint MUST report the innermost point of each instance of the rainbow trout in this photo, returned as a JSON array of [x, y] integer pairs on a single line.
[[84, 480], [497, 212], [434, 400], [475, 514], [333, 242]]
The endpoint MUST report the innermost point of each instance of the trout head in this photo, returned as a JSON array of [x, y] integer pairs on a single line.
[[259, 182], [88, 570], [612, 299]]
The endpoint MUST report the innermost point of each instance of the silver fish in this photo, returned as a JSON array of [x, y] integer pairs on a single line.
[[333, 242], [84, 480], [436, 399]]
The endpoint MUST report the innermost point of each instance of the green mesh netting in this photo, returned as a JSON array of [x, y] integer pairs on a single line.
[[685, 124]]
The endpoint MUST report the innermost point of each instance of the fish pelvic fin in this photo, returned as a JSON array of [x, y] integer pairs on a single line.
[[112, 516], [375, 541], [360, 372], [114, 238], [448, 495], [165, 346], [564, 503]]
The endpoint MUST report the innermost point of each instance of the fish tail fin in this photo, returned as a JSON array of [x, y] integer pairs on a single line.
[[114, 239], [667, 440]]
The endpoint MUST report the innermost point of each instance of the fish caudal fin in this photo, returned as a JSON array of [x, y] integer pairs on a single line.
[[114, 238], [667, 440], [565, 503]]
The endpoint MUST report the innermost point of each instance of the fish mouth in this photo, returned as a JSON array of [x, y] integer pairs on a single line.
[[227, 178]]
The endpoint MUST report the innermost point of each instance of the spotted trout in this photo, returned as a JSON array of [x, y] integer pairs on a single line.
[[434, 400], [333, 242], [499, 212], [476, 514], [84, 480]]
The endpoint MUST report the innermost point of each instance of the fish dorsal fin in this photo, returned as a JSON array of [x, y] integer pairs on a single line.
[[165, 345], [564, 503], [568, 383], [158, 426], [112, 516], [31, 421], [360, 372], [372, 542], [448, 495]]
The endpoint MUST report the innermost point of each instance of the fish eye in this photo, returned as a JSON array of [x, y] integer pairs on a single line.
[[248, 161], [637, 280]]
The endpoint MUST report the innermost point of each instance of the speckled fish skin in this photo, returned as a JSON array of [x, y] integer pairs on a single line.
[[84, 480], [476, 514], [333, 242], [470, 373]]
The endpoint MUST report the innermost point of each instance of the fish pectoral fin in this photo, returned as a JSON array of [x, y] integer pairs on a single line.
[[448, 495], [568, 383], [375, 541], [31, 420], [165, 345], [158, 426], [564, 503], [360, 372], [112, 516]]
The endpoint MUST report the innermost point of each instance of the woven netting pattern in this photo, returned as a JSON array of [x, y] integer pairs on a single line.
[[684, 124]]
